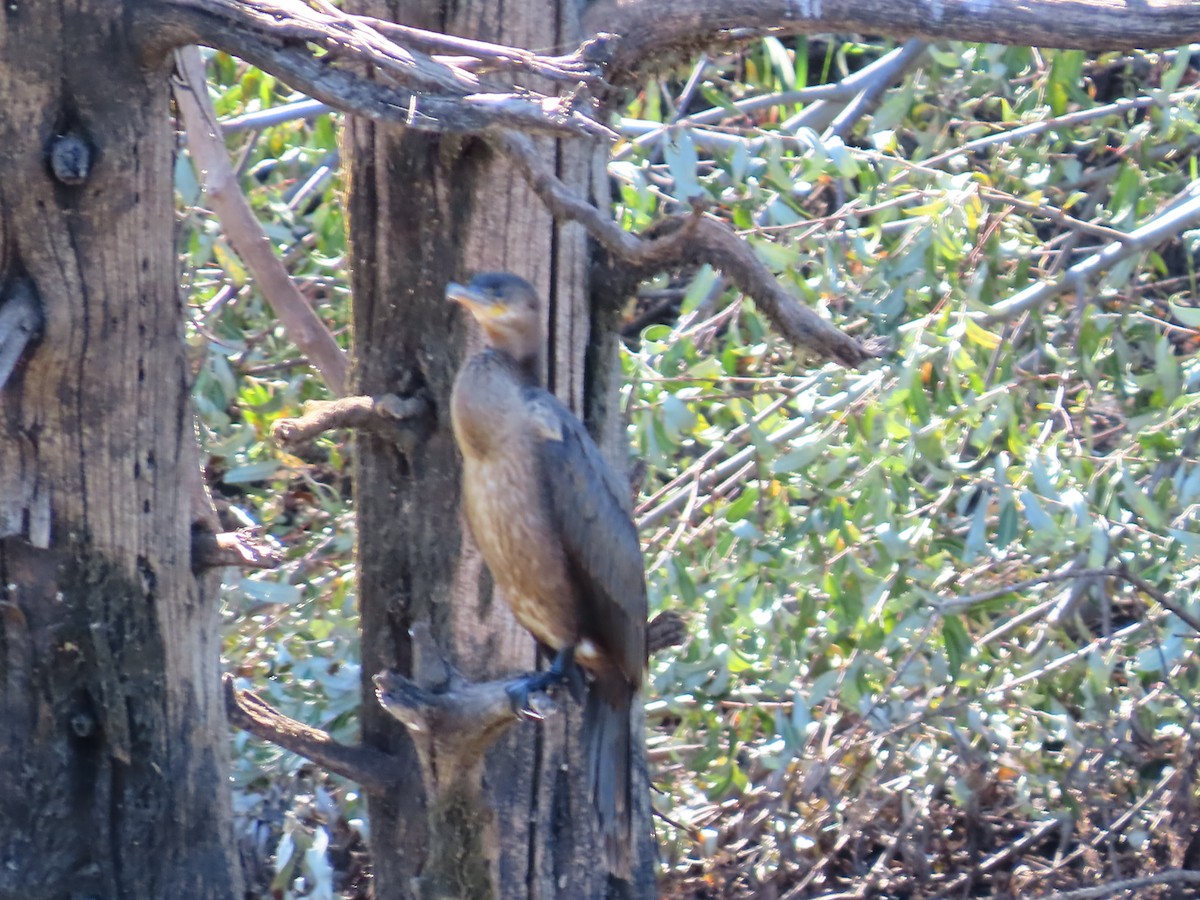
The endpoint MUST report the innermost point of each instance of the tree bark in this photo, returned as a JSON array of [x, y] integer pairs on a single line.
[[113, 743], [426, 210]]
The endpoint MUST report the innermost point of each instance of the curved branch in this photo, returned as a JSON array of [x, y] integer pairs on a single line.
[[650, 30], [689, 238]]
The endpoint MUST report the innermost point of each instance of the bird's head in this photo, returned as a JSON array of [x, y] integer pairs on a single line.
[[506, 308]]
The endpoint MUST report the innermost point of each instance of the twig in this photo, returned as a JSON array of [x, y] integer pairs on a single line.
[[20, 324], [1016, 848], [902, 60], [207, 147], [1113, 888], [388, 416], [864, 86], [1158, 596], [1056, 215], [956, 604], [692, 238], [371, 768], [276, 115], [1160, 228], [1116, 108], [713, 473]]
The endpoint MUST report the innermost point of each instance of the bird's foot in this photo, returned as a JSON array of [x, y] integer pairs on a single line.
[[562, 671], [522, 692]]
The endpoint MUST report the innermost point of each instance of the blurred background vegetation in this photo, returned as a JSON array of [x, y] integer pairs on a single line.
[[942, 634]]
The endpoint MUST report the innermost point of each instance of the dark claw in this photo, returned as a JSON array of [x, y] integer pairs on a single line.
[[519, 691], [562, 671]]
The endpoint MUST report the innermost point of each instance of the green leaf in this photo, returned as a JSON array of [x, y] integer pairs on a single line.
[[1035, 514], [679, 153], [1186, 315], [781, 62], [957, 643], [270, 591], [259, 471]]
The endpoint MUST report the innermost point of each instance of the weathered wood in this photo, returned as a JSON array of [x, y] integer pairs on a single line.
[[113, 740], [425, 211]]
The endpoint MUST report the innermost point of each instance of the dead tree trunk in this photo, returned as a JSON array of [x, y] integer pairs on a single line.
[[425, 210], [113, 740]]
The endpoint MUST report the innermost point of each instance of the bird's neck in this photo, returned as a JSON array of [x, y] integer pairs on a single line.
[[524, 367], [486, 402]]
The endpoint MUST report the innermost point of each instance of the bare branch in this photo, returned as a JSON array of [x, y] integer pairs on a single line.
[[1011, 850], [693, 238], [867, 84], [355, 63], [650, 30], [1159, 597], [1078, 117], [1117, 888], [371, 768], [388, 416], [242, 549], [207, 147]]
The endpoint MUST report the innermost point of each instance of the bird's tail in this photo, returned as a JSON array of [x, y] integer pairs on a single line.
[[609, 751]]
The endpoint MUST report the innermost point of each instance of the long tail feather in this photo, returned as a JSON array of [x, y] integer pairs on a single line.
[[608, 743]]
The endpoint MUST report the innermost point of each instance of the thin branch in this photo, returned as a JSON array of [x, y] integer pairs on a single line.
[[1114, 888], [1066, 120], [692, 238], [245, 234], [371, 768], [276, 115], [1009, 851], [650, 30], [712, 472], [899, 62], [1124, 573], [1056, 215], [861, 89], [359, 67], [966, 601], [388, 416], [1162, 227]]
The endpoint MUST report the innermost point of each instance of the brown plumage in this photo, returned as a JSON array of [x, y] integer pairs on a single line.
[[553, 523]]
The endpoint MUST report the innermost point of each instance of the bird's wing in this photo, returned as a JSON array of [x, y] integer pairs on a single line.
[[588, 504]]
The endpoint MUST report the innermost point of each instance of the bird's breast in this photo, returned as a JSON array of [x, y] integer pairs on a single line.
[[519, 544]]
